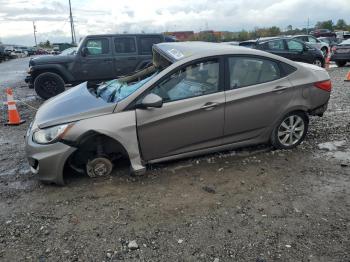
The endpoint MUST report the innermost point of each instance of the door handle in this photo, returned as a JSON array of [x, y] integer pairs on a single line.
[[108, 60], [280, 88], [209, 106]]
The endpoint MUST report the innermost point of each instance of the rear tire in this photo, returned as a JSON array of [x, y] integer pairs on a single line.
[[290, 131], [48, 84], [340, 63]]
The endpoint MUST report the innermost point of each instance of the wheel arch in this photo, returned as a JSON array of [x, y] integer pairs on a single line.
[[57, 69], [95, 137]]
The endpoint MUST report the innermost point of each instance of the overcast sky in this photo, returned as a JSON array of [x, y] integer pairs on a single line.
[[134, 16]]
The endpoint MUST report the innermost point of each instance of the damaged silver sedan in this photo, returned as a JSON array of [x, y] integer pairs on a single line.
[[196, 98]]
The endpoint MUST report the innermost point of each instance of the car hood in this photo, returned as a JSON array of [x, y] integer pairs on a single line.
[[51, 59], [72, 105]]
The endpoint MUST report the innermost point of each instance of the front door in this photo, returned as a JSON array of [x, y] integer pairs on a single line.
[[126, 55], [97, 64], [192, 116], [257, 95], [297, 51]]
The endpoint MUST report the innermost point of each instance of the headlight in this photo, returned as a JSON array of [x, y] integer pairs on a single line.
[[30, 70], [51, 134]]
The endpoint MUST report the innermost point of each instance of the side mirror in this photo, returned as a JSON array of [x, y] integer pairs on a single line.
[[84, 51], [150, 100]]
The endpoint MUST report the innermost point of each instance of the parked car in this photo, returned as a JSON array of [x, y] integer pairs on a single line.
[[323, 32], [41, 51], [2, 53], [287, 47], [18, 53], [331, 41], [69, 51], [98, 57], [341, 53], [313, 41], [31, 51], [196, 98], [234, 43]]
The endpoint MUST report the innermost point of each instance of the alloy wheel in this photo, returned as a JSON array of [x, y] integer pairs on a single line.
[[291, 130]]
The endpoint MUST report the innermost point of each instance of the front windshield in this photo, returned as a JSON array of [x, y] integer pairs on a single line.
[[115, 90]]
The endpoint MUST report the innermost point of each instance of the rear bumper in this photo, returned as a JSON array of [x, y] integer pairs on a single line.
[[319, 111]]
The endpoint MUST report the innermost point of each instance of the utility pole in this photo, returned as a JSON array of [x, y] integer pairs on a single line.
[[308, 24], [72, 24], [34, 28]]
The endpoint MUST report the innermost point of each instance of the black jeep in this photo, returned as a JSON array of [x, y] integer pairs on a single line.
[[98, 58]]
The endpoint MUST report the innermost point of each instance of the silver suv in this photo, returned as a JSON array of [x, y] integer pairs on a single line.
[[196, 98]]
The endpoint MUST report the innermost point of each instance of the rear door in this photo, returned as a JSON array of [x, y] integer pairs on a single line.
[[192, 116], [126, 57], [98, 63], [257, 94]]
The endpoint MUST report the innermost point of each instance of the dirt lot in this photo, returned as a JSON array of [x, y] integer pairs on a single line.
[[252, 204]]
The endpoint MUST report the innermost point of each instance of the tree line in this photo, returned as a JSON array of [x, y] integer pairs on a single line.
[[268, 31]]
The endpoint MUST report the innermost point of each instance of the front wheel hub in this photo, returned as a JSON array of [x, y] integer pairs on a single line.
[[99, 166]]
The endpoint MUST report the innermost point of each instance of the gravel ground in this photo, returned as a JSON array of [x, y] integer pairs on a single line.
[[252, 204]]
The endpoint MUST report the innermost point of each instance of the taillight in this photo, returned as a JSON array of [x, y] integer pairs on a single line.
[[324, 85]]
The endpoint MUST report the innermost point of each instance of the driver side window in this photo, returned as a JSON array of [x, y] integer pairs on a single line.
[[194, 80], [97, 46]]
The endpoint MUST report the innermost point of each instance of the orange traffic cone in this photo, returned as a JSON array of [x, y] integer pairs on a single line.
[[13, 115], [347, 78]]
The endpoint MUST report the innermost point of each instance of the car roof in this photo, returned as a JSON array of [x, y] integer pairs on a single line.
[[111, 35], [176, 51]]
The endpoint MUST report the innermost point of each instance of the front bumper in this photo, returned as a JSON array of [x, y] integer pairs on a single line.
[[47, 161], [29, 81]]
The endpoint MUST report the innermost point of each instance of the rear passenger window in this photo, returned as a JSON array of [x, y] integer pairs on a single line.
[[97, 46], [246, 71], [287, 69], [147, 43], [124, 45]]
